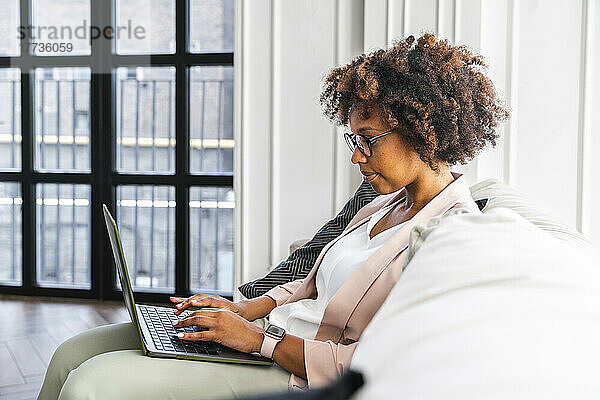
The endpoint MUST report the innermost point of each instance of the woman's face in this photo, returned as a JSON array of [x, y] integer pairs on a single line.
[[393, 164]]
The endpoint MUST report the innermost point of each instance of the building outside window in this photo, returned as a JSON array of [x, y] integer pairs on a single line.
[[137, 114]]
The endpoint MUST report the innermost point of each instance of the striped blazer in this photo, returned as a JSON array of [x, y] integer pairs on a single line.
[[301, 261]]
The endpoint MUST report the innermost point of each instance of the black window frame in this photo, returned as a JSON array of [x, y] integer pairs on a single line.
[[104, 178]]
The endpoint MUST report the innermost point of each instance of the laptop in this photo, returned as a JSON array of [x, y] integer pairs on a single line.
[[158, 337]]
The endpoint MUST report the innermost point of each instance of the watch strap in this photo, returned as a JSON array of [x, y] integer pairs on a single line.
[[268, 345]]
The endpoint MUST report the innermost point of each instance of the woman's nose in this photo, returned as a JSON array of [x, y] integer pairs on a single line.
[[358, 157]]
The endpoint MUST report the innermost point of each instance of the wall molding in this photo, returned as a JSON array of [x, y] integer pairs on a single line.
[[292, 169]]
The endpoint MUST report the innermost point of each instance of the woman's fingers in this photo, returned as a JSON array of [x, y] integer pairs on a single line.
[[181, 307], [223, 326], [199, 336], [200, 318], [177, 299], [183, 303], [211, 302]]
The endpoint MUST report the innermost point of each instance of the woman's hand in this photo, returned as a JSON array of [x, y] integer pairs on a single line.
[[248, 309], [230, 329], [225, 327], [209, 301]]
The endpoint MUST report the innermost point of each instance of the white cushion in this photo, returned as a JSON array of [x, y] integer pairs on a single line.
[[501, 195], [490, 307]]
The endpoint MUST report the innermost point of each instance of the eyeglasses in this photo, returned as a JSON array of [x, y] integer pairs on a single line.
[[363, 143]]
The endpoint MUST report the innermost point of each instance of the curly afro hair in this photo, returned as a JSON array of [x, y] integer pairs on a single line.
[[434, 89]]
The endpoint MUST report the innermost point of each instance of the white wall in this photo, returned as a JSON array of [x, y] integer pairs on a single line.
[[590, 131], [293, 170]]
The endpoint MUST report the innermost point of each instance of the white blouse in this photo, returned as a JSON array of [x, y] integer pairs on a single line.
[[302, 318]]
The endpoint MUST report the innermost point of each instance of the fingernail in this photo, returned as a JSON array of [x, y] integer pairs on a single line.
[[175, 323], [179, 305], [180, 334]]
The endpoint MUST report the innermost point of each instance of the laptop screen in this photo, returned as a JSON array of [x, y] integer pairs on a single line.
[[117, 249]]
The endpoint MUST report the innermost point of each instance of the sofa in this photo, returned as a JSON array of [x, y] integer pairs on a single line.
[[499, 305], [513, 312]]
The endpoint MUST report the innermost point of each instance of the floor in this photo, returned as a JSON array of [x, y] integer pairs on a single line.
[[30, 330]]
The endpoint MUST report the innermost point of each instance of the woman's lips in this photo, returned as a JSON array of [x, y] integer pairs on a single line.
[[369, 176]]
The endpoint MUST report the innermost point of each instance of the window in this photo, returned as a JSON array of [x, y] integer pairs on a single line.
[[131, 106]]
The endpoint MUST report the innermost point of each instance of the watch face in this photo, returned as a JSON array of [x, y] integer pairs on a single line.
[[275, 331]]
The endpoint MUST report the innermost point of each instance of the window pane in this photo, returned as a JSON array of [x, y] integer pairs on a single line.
[[146, 219], [10, 119], [62, 119], [63, 235], [56, 22], [9, 34], [145, 26], [211, 239], [146, 119], [211, 119], [211, 26], [10, 233]]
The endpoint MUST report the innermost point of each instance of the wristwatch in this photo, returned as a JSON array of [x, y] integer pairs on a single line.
[[272, 335]]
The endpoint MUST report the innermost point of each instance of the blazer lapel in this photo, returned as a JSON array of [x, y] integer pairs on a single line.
[[308, 289], [365, 213], [345, 300]]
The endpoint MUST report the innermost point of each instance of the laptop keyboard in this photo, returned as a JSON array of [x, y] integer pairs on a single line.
[[164, 335]]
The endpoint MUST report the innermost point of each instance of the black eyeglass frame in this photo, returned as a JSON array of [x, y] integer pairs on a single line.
[[353, 143]]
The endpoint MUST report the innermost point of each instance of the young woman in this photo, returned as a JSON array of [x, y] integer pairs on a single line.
[[412, 111]]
